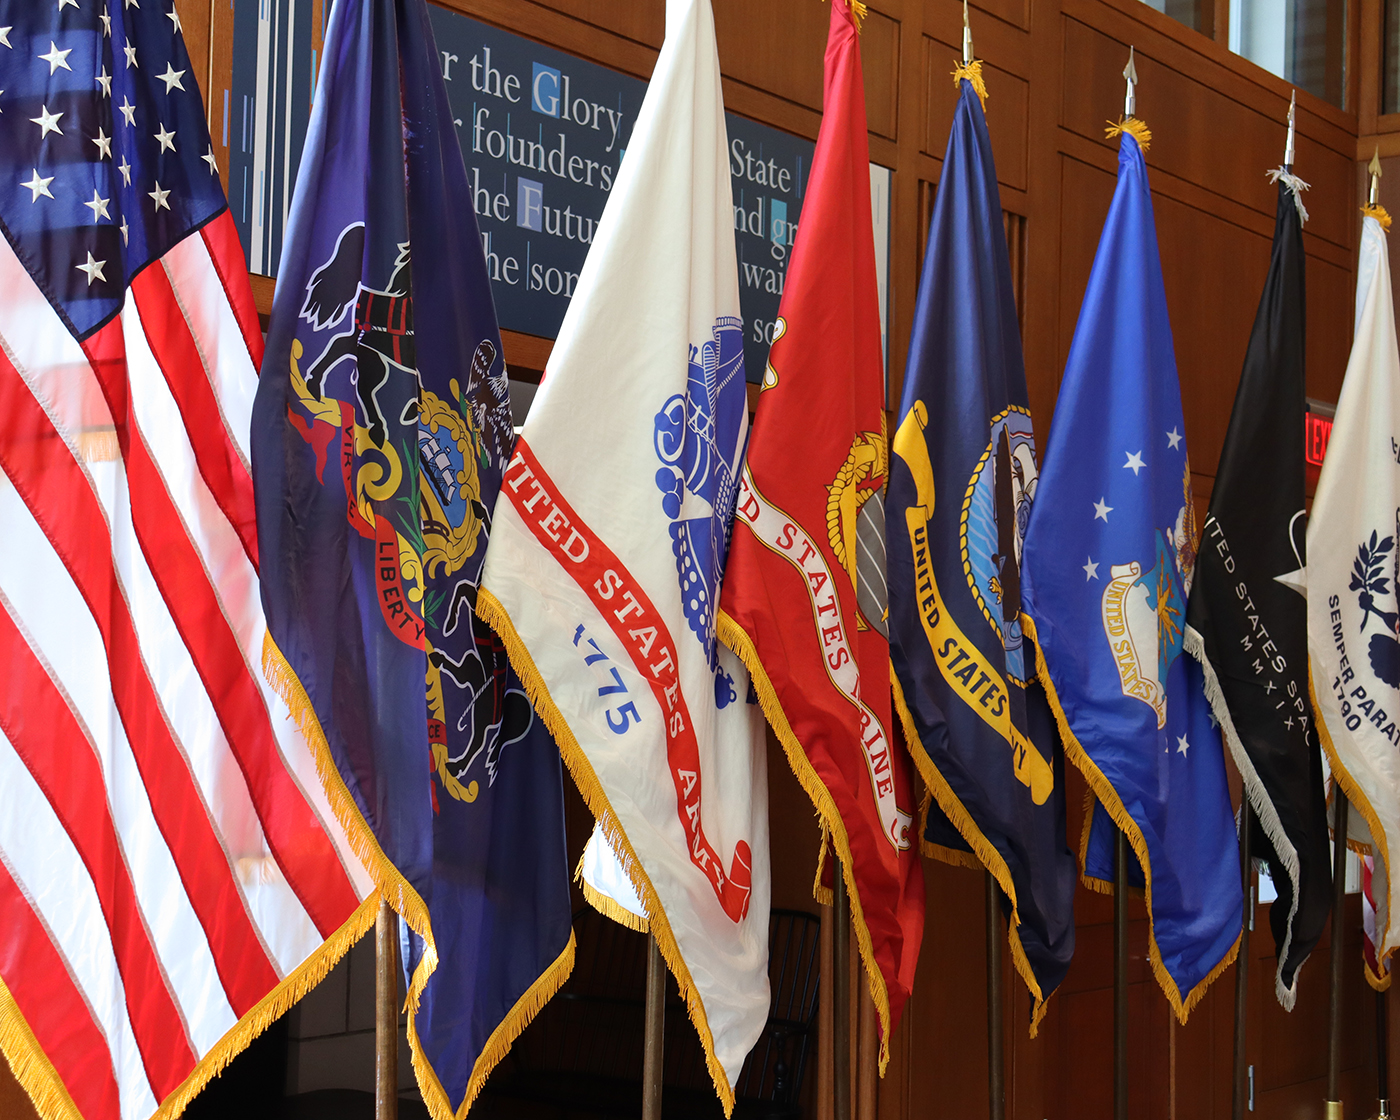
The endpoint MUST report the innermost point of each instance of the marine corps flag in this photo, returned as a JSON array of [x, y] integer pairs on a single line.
[[380, 432], [961, 483], [1353, 613], [1247, 620], [1106, 569], [804, 601], [611, 538]]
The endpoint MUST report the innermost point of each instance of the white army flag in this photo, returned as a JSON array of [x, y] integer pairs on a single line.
[[610, 539], [1353, 564]]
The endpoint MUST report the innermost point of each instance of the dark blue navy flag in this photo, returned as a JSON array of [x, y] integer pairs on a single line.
[[1106, 569], [961, 483], [380, 433]]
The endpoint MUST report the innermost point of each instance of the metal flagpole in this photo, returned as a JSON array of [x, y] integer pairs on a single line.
[[1339, 888], [1241, 1092], [996, 1065], [654, 1041], [1382, 1058], [1120, 976], [841, 991], [386, 1014]]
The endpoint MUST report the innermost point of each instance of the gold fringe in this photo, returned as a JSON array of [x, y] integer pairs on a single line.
[[972, 71], [30, 1065], [1380, 214], [490, 610], [951, 856], [609, 907], [1106, 794], [1378, 983], [833, 828], [392, 886], [1342, 775], [1134, 128], [984, 853], [502, 1038], [858, 13]]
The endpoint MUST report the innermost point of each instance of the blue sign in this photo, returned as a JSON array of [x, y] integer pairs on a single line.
[[542, 134]]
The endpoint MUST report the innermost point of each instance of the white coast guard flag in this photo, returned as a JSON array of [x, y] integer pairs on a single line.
[[1353, 564], [610, 538]]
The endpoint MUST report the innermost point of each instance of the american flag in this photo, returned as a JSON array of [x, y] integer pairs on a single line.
[[172, 871], [1376, 975]]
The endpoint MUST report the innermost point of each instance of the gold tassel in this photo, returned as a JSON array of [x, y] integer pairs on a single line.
[[1380, 213], [972, 71], [858, 13], [1134, 128]]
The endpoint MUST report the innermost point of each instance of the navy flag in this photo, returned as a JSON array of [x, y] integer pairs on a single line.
[[961, 482], [1106, 569], [1248, 618], [380, 433]]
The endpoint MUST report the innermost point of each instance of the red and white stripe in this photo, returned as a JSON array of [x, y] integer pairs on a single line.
[[167, 853]]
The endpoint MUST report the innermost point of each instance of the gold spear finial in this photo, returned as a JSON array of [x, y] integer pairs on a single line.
[[1130, 75]]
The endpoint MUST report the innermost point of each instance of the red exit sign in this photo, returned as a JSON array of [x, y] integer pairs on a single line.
[[1317, 431]]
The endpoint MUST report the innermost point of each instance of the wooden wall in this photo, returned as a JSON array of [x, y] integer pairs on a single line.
[[1053, 73]]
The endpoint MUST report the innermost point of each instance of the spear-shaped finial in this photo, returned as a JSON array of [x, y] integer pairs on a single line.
[[1374, 167], [967, 37], [1130, 75], [1288, 147]]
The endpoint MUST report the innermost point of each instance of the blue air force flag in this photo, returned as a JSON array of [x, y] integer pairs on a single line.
[[1106, 570], [961, 483], [381, 430]]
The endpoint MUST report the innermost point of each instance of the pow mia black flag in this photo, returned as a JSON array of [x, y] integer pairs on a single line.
[[1247, 620]]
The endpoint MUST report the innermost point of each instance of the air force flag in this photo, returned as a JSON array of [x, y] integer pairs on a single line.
[[1106, 570]]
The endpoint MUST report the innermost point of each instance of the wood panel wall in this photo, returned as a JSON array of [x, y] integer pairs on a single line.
[[1053, 72]]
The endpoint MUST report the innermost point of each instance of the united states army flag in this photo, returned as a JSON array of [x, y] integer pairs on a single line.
[[610, 540], [1353, 615]]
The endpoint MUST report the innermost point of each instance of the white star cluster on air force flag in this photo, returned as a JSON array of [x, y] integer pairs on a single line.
[[108, 163]]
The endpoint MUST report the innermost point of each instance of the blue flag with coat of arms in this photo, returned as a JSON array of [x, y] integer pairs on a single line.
[[1106, 570], [381, 430]]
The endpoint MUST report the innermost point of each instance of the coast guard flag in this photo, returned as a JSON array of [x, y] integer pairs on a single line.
[[381, 429], [1353, 614], [1248, 615], [962, 480], [804, 601], [611, 537], [172, 875], [1106, 570]]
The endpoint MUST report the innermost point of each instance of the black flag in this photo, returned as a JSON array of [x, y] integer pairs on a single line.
[[1247, 620]]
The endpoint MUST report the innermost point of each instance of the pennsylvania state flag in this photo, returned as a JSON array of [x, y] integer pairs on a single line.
[[962, 479], [1106, 571], [381, 429]]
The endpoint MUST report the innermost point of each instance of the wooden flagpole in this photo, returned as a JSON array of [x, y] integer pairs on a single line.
[[386, 1014], [996, 1064], [1240, 1096], [654, 1040], [1120, 976], [1382, 1057], [1339, 888], [841, 993]]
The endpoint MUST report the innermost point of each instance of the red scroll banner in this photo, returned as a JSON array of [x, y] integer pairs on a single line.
[[643, 632]]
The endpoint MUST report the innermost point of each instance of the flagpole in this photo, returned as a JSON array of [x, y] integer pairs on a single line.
[[1241, 1091], [1339, 888], [386, 1014], [1382, 1058], [1120, 976], [841, 992], [654, 1040], [996, 1064]]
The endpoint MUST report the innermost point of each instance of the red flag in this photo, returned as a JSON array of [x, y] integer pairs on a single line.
[[804, 600]]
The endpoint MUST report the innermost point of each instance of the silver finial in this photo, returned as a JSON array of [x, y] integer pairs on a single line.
[[1288, 148], [967, 38], [1374, 167], [1130, 74]]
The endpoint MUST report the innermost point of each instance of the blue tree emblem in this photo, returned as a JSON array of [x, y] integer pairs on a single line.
[[698, 441]]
